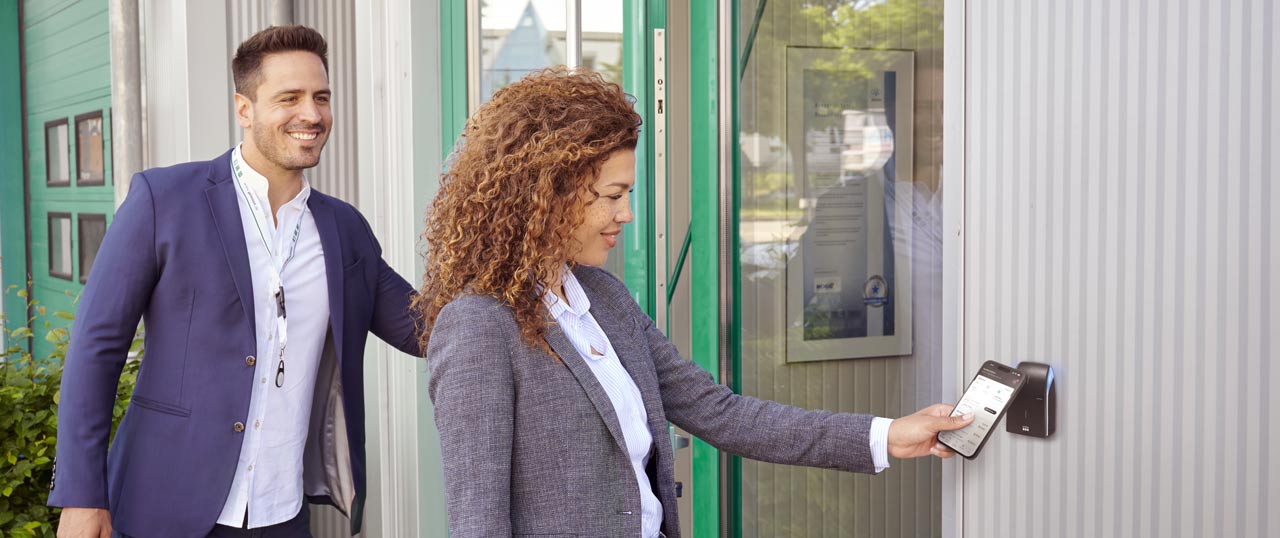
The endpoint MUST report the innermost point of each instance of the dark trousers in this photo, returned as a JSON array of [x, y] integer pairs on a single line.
[[298, 527]]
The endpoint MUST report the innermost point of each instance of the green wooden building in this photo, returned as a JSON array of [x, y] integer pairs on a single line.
[[55, 155]]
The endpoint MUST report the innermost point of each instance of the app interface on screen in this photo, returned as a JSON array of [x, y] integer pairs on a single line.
[[985, 398]]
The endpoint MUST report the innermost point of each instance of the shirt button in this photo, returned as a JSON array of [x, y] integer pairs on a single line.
[[250, 469], [238, 427], [250, 360], [257, 424], [264, 381]]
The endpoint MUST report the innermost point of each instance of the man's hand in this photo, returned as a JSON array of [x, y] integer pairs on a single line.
[[916, 435], [84, 523]]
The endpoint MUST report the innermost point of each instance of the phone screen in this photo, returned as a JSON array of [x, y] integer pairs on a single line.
[[987, 397]]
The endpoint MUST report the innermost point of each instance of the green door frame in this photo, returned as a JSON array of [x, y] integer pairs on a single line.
[[704, 230]]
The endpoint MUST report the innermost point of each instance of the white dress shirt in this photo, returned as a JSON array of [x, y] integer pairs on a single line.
[[580, 326], [268, 478]]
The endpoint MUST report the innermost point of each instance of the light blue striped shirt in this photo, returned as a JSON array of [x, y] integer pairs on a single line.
[[593, 345]]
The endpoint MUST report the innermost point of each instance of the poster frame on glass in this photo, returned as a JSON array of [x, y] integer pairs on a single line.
[[817, 279]]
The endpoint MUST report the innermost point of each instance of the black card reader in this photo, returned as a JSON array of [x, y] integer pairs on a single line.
[[1034, 410]]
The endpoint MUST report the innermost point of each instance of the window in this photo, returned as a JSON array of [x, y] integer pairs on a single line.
[[90, 149], [60, 244], [56, 154], [92, 227], [521, 36]]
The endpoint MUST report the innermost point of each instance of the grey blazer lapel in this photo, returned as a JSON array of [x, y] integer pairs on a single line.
[[634, 356], [569, 354]]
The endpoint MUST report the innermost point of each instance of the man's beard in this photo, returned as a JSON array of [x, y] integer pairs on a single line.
[[273, 149]]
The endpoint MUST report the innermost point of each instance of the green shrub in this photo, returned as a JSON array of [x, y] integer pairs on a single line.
[[29, 390]]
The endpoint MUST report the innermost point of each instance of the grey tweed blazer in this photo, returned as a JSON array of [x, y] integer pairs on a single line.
[[532, 446]]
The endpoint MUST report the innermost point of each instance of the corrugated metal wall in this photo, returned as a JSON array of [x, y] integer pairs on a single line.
[[336, 173], [780, 500], [335, 19], [1119, 211]]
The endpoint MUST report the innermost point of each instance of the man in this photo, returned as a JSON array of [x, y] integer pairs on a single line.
[[257, 294]]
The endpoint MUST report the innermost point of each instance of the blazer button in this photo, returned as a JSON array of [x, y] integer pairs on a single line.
[[250, 360], [238, 427]]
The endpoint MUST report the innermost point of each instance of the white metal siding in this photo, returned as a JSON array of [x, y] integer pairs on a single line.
[[1118, 213]]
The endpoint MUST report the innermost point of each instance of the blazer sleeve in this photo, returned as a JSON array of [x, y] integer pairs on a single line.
[[472, 388], [393, 321], [114, 299], [750, 427]]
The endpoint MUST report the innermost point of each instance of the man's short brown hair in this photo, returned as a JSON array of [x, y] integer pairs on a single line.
[[246, 66]]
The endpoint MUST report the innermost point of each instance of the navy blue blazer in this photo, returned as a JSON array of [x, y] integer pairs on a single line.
[[175, 256]]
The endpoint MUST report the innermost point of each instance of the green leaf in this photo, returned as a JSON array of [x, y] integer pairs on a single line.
[[32, 526], [22, 294], [56, 335], [65, 315], [8, 490]]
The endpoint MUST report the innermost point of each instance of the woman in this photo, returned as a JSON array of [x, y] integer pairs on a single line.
[[552, 389]]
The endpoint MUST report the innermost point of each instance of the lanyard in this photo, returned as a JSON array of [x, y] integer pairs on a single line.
[[276, 285]]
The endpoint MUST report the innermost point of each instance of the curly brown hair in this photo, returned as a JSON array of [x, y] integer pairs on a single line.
[[517, 186]]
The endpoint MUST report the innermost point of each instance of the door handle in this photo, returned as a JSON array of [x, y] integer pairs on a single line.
[[677, 441]]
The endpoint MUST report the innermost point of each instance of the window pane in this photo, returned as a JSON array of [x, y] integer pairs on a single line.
[[60, 245], [518, 36], [57, 157], [89, 150], [602, 38], [92, 229], [521, 36]]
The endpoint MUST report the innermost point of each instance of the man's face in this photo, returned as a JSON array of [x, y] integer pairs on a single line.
[[288, 120]]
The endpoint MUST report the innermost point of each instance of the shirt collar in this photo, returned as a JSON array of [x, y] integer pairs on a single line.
[[578, 303], [258, 184]]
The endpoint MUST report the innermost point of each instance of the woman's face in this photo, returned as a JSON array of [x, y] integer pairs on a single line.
[[606, 215]]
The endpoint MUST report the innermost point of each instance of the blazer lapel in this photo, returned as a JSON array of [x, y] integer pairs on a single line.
[[634, 355], [226, 219], [569, 354], [330, 241]]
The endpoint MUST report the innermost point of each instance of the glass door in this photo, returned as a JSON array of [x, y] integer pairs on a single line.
[[837, 116]]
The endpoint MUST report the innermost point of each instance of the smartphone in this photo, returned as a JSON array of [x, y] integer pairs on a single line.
[[988, 397]]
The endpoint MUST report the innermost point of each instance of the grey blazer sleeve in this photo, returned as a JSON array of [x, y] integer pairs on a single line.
[[473, 392], [750, 427]]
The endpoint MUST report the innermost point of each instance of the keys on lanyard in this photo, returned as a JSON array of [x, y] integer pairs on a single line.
[[281, 313], [260, 216]]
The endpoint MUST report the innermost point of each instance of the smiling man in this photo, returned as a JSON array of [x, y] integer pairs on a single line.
[[258, 294]]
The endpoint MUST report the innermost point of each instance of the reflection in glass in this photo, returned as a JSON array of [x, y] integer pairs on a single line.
[[519, 36], [57, 154], [92, 228], [788, 187], [60, 245], [89, 149]]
